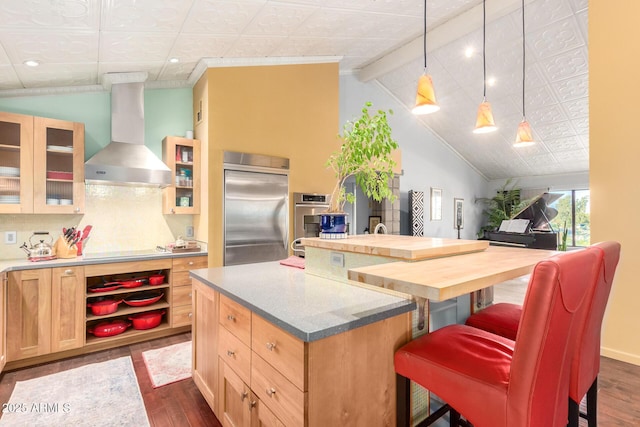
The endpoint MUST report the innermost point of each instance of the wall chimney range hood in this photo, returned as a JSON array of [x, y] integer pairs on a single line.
[[126, 160]]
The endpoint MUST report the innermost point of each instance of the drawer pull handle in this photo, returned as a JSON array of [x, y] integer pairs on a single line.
[[243, 396], [68, 272], [271, 346], [271, 391], [190, 294], [190, 315], [230, 353], [190, 262], [252, 404], [231, 317]]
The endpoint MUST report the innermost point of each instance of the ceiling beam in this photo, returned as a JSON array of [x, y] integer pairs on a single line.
[[443, 34]]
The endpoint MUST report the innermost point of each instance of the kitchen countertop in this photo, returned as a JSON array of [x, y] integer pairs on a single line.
[[407, 248], [307, 306], [96, 258]]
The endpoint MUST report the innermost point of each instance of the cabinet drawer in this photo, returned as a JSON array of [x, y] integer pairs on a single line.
[[284, 399], [181, 316], [235, 354], [180, 278], [181, 295], [282, 350], [189, 263], [236, 318]]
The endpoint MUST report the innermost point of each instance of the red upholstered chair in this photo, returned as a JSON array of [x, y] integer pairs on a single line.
[[495, 382], [503, 319]]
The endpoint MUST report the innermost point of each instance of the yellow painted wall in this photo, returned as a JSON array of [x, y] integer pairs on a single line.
[[287, 111], [614, 91]]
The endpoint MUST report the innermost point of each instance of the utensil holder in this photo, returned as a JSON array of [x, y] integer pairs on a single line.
[[64, 250]]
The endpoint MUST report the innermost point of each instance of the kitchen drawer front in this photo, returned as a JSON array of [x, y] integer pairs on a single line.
[[235, 354], [236, 318], [266, 417], [189, 263], [180, 278], [284, 399], [181, 316], [282, 350], [181, 295]]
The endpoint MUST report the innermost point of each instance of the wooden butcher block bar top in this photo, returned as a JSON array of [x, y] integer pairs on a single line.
[[444, 278], [408, 248]]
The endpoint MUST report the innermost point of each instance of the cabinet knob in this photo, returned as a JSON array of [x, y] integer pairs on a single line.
[[252, 404], [190, 294], [231, 317], [173, 211], [76, 210], [271, 391], [271, 346], [190, 315], [190, 262], [243, 396], [230, 353], [68, 272]]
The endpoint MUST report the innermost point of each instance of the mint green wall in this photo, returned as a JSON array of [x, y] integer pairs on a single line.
[[167, 112]]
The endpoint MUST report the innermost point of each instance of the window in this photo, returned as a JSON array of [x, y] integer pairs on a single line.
[[573, 210]]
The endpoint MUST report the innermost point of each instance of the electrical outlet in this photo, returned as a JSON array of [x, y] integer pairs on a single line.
[[10, 237], [189, 231], [337, 259]]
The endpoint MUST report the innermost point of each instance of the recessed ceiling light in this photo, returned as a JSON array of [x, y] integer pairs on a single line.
[[174, 60], [31, 63], [469, 52], [491, 81]]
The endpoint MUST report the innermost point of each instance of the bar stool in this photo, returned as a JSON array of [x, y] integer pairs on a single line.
[[503, 319], [495, 382]]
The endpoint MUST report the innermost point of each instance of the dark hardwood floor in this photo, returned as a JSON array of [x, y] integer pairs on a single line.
[[181, 404], [174, 405]]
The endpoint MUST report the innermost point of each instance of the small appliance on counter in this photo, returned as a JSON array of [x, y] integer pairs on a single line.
[[181, 245], [41, 251]]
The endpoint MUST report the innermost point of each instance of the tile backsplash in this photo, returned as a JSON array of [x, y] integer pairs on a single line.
[[123, 218]]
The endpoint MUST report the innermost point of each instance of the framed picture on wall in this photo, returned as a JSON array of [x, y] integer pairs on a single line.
[[373, 221], [436, 204], [458, 213]]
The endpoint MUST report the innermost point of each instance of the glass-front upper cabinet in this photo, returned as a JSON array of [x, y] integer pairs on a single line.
[[182, 155], [16, 163], [58, 166]]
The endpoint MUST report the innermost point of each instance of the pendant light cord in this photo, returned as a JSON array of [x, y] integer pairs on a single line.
[[484, 49], [524, 56], [424, 37]]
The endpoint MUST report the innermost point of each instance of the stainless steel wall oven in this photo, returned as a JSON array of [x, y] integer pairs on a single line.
[[306, 212]]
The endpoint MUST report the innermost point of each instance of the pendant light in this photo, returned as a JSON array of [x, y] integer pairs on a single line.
[[426, 96], [524, 136], [484, 120]]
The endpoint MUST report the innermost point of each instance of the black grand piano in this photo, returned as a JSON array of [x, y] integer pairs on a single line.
[[538, 233]]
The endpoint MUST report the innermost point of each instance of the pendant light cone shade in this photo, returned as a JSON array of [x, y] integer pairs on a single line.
[[524, 136], [425, 97], [484, 121]]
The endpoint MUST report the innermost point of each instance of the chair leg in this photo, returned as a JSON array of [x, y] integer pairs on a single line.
[[592, 404], [403, 401], [454, 418], [574, 414]]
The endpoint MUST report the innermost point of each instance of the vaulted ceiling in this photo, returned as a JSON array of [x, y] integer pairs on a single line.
[[77, 41]]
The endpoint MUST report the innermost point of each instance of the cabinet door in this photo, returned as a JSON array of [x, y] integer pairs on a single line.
[[205, 342], [28, 314], [68, 308], [16, 163], [234, 398], [3, 341], [58, 185], [261, 416]]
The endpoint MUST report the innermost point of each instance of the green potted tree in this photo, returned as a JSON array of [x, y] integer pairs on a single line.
[[365, 153], [500, 207]]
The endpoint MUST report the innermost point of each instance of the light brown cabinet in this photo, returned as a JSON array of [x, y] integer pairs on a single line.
[[181, 291], [41, 165], [205, 342], [3, 335], [45, 311], [182, 155]]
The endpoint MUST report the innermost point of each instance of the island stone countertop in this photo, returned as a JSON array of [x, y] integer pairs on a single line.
[[307, 306]]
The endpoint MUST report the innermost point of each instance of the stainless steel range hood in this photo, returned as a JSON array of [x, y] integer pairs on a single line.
[[126, 160]]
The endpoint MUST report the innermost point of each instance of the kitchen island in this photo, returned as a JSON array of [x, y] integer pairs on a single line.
[[303, 350]]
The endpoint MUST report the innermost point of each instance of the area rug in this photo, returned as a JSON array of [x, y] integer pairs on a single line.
[[169, 364], [99, 394]]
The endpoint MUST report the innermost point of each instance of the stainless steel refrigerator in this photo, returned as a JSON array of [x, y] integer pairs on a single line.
[[256, 208]]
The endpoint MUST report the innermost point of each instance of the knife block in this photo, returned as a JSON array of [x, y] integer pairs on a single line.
[[64, 250]]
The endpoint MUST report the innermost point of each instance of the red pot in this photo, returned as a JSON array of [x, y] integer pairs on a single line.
[[105, 287], [156, 279], [147, 320], [109, 329], [103, 307], [143, 298], [132, 283]]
